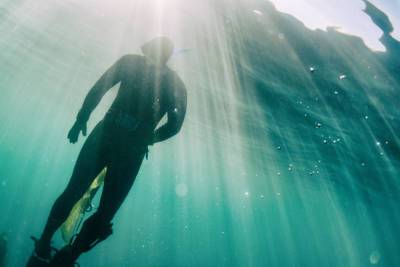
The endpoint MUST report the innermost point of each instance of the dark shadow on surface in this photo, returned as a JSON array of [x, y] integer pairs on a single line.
[[326, 97]]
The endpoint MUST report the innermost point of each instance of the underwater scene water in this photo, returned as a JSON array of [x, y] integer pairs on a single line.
[[289, 154]]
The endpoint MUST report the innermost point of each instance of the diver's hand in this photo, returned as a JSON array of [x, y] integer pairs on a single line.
[[151, 141], [73, 134]]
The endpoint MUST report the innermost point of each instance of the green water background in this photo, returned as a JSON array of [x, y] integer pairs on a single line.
[[276, 165]]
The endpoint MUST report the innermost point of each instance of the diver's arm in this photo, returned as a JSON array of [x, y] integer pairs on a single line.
[[110, 78], [176, 115]]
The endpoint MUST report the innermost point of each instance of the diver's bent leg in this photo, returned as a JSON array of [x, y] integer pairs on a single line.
[[88, 165], [118, 182]]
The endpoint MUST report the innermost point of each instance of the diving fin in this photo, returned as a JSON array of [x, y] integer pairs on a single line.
[[36, 261], [84, 204], [39, 261], [63, 258]]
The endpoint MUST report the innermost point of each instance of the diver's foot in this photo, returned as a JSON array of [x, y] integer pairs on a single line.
[[35, 261], [41, 255], [63, 258]]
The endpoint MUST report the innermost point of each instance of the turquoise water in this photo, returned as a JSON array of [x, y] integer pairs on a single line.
[[289, 155]]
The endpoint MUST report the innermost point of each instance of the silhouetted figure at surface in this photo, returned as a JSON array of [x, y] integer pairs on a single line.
[[383, 22], [3, 250], [148, 91]]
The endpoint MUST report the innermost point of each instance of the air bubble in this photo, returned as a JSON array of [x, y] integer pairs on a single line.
[[375, 257]]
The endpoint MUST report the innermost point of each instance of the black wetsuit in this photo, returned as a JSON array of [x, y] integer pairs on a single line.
[[119, 142]]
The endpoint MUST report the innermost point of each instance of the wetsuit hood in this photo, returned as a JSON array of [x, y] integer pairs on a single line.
[[158, 50]]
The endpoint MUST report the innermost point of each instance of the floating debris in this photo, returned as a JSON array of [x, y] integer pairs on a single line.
[[312, 69], [342, 77], [257, 12]]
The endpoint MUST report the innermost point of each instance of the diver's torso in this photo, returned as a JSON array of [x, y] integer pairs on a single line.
[[143, 97]]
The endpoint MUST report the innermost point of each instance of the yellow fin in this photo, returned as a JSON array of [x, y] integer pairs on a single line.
[[68, 227]]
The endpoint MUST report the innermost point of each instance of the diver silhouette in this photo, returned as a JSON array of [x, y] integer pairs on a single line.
[[148, 90]]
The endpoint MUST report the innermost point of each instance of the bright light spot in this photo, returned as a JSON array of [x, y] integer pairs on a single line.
[[181, 190], [375, 257], [342, 77]]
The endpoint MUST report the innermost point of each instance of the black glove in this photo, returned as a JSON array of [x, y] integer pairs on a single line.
[[151, 140], [78, 127]]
